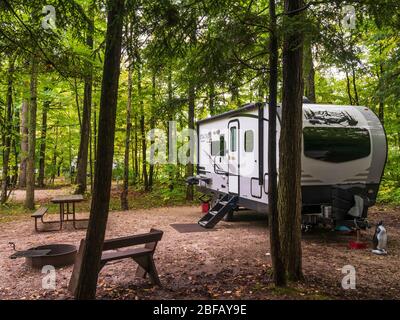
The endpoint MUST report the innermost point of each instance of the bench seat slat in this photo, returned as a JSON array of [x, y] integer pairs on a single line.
[[153, 236], [40, 212], [116, 255]]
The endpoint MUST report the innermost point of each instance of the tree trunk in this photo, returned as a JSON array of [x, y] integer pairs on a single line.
[[87, 281], [152, 125], [279, 274], [190, 166], [356, 100], [24, 142], [349, 88], [70, 155], [136, 150], [94, 144], [14, 178], [309, 72], [170, 144], [42, 153], [30, 167], [381, 110], [124, 193], [142, 130], [289, 189], [81, 173], [8, 131], [211, 88], [191, 111], [54, 161]]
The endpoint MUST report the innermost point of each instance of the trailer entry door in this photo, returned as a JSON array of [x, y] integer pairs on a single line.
[[233, 157]]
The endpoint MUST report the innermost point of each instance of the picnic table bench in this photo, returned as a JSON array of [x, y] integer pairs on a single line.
[[64, 203], [39, 214], [111, 252]]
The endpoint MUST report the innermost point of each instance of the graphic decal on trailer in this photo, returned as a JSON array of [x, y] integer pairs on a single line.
[[330, 117]]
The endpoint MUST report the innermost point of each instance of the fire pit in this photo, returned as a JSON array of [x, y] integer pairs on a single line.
[[57, 255]]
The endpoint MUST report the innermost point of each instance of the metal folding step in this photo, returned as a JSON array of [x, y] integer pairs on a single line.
[[218, 211]]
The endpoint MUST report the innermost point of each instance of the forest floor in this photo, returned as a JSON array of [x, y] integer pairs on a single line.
[[231, 261]]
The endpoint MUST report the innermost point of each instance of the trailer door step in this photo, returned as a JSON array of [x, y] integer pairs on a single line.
[[218, 211]]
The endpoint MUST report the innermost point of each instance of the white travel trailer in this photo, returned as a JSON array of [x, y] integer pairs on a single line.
[[343, 157]]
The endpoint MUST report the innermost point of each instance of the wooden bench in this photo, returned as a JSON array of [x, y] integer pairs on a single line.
[[39, 214], [111, 252]]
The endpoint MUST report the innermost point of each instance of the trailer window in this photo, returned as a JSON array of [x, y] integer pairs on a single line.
[[336, 144], [249, 141], [215, 148], [222, 145], [218, 147], [233, 139]]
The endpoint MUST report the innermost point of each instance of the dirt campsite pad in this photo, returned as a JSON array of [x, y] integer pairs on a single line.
[[229, 263]]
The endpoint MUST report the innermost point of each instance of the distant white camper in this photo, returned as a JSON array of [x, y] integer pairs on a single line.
[[344, 151]]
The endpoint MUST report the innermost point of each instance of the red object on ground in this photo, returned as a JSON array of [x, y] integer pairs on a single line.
[[357, 245], [205, 206]]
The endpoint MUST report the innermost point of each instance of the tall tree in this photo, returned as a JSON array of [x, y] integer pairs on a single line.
[[42, 151], [279, 274], [8, 130], [87, 280], [152, 124], [81, 175], [30, 167], [124, 193], [24, 142], [191, 114], [289, 188], [309, 72], [142, 129]]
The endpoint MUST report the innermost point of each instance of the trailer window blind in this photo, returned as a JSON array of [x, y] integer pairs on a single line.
[[249, 141], [218, 147], [215, 148], [336, 144], [233, 139]]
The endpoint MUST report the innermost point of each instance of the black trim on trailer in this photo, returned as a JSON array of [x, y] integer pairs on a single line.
[[387, 151], [246, 115], [265, 184], [238, 152], [198, 149], [260, 144], [246, 107]]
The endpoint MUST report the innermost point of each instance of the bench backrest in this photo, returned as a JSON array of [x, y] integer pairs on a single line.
[[149, 239]]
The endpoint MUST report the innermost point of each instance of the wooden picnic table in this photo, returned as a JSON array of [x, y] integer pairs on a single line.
[[68, 202]]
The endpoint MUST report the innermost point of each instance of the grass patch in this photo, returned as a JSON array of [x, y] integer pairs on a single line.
[[137, 198]]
